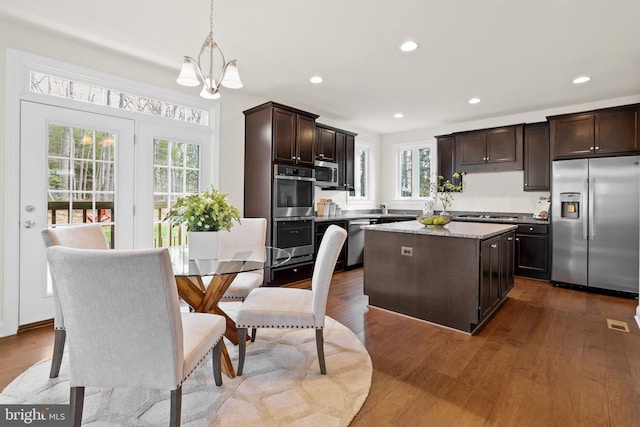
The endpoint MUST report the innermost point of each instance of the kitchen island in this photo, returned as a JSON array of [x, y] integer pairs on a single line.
[[456, 276]]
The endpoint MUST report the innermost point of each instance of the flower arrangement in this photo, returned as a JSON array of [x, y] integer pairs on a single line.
[[207, 211], [444, 189]]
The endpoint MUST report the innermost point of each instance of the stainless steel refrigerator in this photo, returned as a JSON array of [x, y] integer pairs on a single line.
[[595, 215]]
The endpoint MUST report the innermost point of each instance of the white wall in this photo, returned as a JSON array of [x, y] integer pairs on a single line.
[[495, 192]]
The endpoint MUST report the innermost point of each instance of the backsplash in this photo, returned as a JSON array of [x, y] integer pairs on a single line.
[[487, 192], [496, 192], [483, 192]]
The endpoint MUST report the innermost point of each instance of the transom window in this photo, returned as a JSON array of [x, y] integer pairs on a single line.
[[414, 170], [78, 91]]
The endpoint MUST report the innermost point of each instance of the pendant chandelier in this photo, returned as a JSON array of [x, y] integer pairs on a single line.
[[193, 74]]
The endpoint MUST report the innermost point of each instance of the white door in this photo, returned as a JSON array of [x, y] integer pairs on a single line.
[[75, 167]]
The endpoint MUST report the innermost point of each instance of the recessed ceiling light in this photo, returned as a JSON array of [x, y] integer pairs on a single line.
[[408, 46], [316, 79], [581, 79], [474, 100], [398, 115]]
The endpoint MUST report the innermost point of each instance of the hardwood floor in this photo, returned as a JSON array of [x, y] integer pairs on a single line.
[[547, 358]]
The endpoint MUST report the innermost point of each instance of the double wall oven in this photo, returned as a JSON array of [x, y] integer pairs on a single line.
[[293, 211]]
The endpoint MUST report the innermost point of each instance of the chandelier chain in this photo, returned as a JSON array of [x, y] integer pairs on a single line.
[[211, 19]]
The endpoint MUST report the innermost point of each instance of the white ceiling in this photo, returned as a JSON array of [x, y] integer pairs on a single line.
[[516, 55]]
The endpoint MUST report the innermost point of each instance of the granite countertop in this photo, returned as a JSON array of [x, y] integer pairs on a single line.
[[459, 216], [355, 215], [467, 230]]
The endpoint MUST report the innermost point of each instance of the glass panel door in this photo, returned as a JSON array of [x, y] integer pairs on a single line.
[[176, 167], [76, 167]]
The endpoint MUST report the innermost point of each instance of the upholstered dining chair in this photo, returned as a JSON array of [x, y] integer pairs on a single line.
[[124, 323], [290, 307], [247, 235], [83, 236]]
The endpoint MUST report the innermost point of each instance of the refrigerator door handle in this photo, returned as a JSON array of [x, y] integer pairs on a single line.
[[585, 234], [592, 202]]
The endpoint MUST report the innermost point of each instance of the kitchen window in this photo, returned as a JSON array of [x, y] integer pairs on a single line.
[[414, 166], [362, 171]]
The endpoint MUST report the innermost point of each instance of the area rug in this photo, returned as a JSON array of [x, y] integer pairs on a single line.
[[281, 386]]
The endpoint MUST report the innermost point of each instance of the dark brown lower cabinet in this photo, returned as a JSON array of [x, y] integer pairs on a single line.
[[496, 261], [532, 252], [289, 274], [507, 272], [490, 279], [452, 281], [321, 228]]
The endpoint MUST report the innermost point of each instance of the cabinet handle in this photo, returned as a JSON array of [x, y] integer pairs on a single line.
[[495, 245], [509, 238], [591, 148], [294, 158], [597, 148], [487, 158], [517, 239], [298, 158], [526, 184], [530, 228]]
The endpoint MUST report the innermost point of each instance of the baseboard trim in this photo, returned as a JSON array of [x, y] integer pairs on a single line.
[[35, 325]]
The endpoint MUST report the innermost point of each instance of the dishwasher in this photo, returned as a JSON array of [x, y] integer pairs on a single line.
[[355, 242]]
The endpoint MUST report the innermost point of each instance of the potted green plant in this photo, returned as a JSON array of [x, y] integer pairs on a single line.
[[445, 190], [204, 214]]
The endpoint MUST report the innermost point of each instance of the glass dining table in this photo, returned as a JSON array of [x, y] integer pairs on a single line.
[[202, 282]]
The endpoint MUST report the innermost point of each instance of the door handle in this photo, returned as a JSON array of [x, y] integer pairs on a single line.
[[592, 202], [29, 224], [585, 234]]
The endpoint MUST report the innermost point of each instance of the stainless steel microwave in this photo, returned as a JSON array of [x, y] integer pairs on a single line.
[[326, 174]]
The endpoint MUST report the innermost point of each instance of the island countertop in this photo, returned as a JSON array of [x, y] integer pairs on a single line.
[[466, 230]]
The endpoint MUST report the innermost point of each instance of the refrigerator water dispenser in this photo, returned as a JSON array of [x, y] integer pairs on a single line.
[[570, 205]]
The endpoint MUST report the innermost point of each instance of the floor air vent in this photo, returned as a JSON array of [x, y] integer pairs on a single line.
[[617, 325]]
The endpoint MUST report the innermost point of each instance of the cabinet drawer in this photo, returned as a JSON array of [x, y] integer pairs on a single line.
[[532, 229], [291, 274]]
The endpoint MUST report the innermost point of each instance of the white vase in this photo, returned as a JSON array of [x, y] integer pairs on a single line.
[[203, 245]]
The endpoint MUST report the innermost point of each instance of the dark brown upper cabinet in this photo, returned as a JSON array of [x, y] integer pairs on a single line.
[[489, 150], [290, 132], [344, 156], [446, 157], [325, 144], [536, 157], [604, 132]]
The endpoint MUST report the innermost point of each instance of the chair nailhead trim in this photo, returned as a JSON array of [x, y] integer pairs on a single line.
[[280, 326], [199, 362]]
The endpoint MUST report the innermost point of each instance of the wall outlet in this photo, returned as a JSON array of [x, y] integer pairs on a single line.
[[406, 251]]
